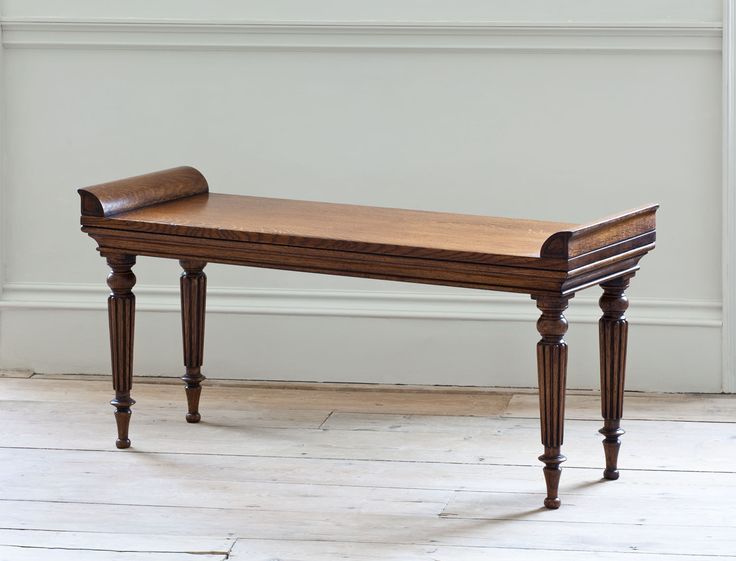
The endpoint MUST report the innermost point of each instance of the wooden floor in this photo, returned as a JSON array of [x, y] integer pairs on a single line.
[[306, 474]]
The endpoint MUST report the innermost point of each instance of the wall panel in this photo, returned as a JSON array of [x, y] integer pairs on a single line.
[[517, 117]]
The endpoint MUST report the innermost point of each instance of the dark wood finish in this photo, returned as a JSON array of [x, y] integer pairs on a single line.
[[273, 224], [352, 228], [193, 294], [588, 237], [111, 198], [172, 214], [121, 314], [552, 372], [613, 330]]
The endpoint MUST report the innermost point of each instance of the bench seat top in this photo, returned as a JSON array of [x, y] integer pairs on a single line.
[[177, 203], [341, 226]]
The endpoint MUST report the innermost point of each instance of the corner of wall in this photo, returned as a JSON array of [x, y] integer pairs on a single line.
[[3, 235], [729, 198]]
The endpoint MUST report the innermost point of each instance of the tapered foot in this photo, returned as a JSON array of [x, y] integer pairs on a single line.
[[122, 418], [193, 393], [552, 472], [611, 475], [611, 446], [122, 413], [552, 504]]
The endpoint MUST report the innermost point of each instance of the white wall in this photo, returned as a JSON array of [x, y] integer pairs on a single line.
[[565, 110]]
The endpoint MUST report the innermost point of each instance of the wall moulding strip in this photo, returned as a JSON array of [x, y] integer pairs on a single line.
[[479, 307], [729, 197], [3, 182], [180, 34]]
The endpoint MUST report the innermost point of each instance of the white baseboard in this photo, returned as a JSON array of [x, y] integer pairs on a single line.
[[373, 337]]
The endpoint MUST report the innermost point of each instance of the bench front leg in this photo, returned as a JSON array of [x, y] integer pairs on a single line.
[[193, 295], [613, 330], [121, 315], [552, 371]]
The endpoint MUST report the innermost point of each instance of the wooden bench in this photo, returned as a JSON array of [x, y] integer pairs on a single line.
[[171, 214]]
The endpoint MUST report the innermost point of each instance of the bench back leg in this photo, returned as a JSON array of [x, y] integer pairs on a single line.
[[613, 330], [193, 295]]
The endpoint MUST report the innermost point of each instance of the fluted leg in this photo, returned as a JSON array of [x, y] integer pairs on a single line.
[[121, 314], [193, 294], [552, 370], [613, 329]]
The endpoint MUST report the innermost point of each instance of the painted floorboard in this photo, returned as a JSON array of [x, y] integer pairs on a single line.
[[305, 474], [284, 550]]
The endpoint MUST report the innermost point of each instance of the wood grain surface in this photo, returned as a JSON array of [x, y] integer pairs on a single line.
[[340, 226], [110, 198], [174, 212]]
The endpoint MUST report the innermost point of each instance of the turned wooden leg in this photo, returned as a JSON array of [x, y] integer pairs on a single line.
[[613, 330], [193, 294], [121, 313], [552, 370]]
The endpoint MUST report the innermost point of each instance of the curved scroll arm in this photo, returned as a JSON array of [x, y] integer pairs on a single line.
[[122, 195], [595, 235]]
